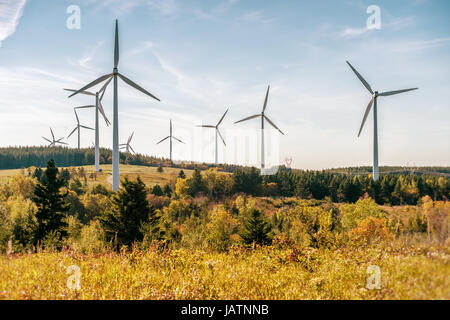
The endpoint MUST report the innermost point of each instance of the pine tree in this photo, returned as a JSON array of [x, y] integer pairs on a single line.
[[167, 190], [256, 229], [130, 211], [51, 205], [157, 191], [196, 183], [181, 174]]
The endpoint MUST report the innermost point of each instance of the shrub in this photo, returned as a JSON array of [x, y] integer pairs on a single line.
[[353, 214], [370, 230], [220, 229]]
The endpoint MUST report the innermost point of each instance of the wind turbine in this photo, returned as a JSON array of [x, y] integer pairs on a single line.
[[114, 74], [170, 137], [263, 117], [53, 142], [216, 127], [98, 108], [127, 145], [78, 127], [373, 101]]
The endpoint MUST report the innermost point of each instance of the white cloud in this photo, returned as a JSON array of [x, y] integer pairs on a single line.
[[10, 13]]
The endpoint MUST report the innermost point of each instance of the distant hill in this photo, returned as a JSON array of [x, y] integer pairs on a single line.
[[28, 156]]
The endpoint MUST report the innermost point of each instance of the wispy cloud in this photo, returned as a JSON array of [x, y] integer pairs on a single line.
[[393, 25], [120, 7], [256, 16], [10, 13], [87, 57], [409, 46]]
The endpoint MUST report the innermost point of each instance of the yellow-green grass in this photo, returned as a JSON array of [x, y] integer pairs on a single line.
[[149, 175], [267, 273]]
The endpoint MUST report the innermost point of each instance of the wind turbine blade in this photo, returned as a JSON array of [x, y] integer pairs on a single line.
[[46, 139], [134, 85], [72, 132], [265, 100], [100, 108], [76, 115], [131, 137], [206, 126], [248, 118], [178, 139], [163, 139], [273, 125], [369, 106], [131, 148], [116, 46], [93, 83], [390, 93], [83, 92], [87, 127], [221, 137], [103, 89], [220, 121], [53, 136], [84, 107], [364, 82], [61, 142]]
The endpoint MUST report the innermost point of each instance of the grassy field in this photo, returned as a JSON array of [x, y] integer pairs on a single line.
[[149, 175], [268, 273]]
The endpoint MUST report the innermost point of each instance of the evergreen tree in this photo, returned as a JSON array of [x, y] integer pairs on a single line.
[[196, 183], [157, 191], [160, 168], [51, 205], [181, 174], [123, 224], [256, 228], [167, 190]]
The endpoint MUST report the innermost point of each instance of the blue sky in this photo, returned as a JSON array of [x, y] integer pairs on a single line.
[[202, 57]]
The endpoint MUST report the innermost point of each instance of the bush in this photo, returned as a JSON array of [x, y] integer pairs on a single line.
[[370, 230], [221, 228], [353, 214]]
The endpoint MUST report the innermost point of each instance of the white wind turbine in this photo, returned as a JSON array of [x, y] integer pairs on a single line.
[[216, 127], [78, 127], [263, 117], [114, 75], [127, 145], [170, 137], [373, 102], [53, 142], [98, 108]]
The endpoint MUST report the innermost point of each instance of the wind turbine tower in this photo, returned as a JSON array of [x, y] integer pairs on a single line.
[[373, 101], [263, 117], [170, 137], [114, 75], [216, 127]]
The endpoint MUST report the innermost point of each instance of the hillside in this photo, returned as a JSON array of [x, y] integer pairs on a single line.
[[28, 156]]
